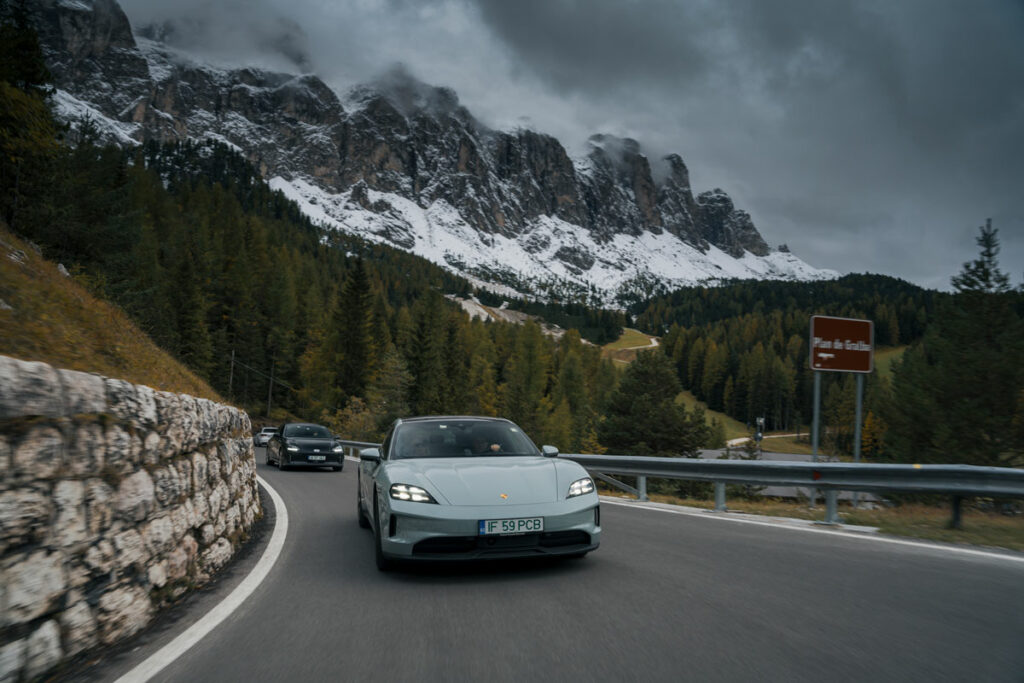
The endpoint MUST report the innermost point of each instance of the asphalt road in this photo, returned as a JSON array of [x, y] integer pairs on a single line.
[[666, 598]]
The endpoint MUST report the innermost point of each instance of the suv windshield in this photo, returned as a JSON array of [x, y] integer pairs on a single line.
[[307, 431], [460, 438]]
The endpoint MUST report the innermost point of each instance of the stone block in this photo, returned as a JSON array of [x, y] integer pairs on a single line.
[[159, 535], [43, 651], [166, 485], [157, 574], [39, 454], [12, 661], [86, 449], [207, 534], [216, 556], [28, 389], [70, 527], [200, 474], [83, 393], [99, 506], [24, 516], [136, 496], [79, 627], [34, 583], [123, 612], [151, 451], [119, 449], [100, 558], [130, 549], [131, 403], [184, 468]]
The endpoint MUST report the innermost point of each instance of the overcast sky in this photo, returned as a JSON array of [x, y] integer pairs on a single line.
[[868, 136]]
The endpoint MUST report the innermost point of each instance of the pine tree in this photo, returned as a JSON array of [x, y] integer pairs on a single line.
[[955, 393], [643, 417]]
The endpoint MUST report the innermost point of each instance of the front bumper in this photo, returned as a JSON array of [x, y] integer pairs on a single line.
[[420, 531], [302, 460]]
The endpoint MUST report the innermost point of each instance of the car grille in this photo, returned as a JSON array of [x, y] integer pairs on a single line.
[[454, 545]]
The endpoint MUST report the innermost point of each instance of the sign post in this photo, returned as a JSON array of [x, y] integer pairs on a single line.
[[840, 345]]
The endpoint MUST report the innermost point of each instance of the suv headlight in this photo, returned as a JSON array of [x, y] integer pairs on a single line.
[[580, 487], [411, 493], [293, 449], [338, 449]]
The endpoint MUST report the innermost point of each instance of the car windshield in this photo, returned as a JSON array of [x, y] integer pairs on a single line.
[[460, 438], [268, 430], [307, 431]]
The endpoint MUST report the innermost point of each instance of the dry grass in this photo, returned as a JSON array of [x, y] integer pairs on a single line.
[[734, 429], [980, 527], [884, 358], [51, 318], [630, 338]]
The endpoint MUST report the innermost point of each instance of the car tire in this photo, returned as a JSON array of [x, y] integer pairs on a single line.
[[383, 562], [280, 463], [266, 457]]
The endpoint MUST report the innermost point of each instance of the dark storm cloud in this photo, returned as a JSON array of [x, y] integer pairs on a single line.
[[869, 136]]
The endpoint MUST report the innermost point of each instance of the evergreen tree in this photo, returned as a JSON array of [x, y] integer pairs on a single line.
[[955, 393], [643, 417]]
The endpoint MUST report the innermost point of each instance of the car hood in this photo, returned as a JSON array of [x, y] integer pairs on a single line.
[[482, 481]]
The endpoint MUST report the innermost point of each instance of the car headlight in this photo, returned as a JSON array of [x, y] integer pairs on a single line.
[[411, 493], [293, 449], [580, 487], [338, 449]]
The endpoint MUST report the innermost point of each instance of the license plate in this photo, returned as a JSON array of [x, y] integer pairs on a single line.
[[318, 457], [504, 527]]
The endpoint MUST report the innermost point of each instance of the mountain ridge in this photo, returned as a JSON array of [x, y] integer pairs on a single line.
[[403, 162]]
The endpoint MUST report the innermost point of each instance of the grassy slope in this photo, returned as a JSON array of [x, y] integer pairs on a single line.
[[55, 320], [623, 350], [884, 357], [733, 428]]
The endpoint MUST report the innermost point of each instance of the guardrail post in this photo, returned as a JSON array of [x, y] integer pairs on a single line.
[[831, 501], [956, 522], [719, 496], [641, 485]]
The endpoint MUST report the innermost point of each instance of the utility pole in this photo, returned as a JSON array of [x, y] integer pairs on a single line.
[[270, 391], [231, 376]]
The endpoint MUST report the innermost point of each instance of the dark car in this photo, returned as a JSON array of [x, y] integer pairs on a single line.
[[301, 444]]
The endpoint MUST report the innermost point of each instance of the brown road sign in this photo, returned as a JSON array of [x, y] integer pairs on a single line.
[[842, 344]]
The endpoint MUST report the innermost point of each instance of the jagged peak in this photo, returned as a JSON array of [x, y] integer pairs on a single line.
[[407, 94]]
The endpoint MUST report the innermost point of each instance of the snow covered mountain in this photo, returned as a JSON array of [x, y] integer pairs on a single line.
[[402, 162]]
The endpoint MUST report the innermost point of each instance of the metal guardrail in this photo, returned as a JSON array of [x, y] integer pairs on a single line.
[[960, 481]]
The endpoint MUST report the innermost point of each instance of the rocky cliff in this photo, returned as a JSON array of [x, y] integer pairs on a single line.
[[405, 162]]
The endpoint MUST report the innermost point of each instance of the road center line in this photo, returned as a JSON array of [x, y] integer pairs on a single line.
[[707, 514], [166, 655]]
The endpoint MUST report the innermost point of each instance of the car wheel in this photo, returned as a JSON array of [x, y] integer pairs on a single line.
[[383, 562], [266, 457], [280, 463]]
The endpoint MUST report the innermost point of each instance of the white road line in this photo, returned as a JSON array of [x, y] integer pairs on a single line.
[[707, 514], [156, 662]]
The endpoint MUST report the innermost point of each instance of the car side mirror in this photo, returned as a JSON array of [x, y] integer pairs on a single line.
[[549, 451], [370, 455]]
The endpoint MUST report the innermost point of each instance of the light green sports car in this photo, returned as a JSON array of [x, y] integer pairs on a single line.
[[447, 488]]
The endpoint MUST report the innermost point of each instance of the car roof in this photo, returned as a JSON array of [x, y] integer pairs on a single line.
[[444, 418]]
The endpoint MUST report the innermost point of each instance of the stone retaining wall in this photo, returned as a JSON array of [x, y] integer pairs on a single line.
[[114, 498]]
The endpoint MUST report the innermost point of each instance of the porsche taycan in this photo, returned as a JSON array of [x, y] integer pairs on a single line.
[[448, 488]]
